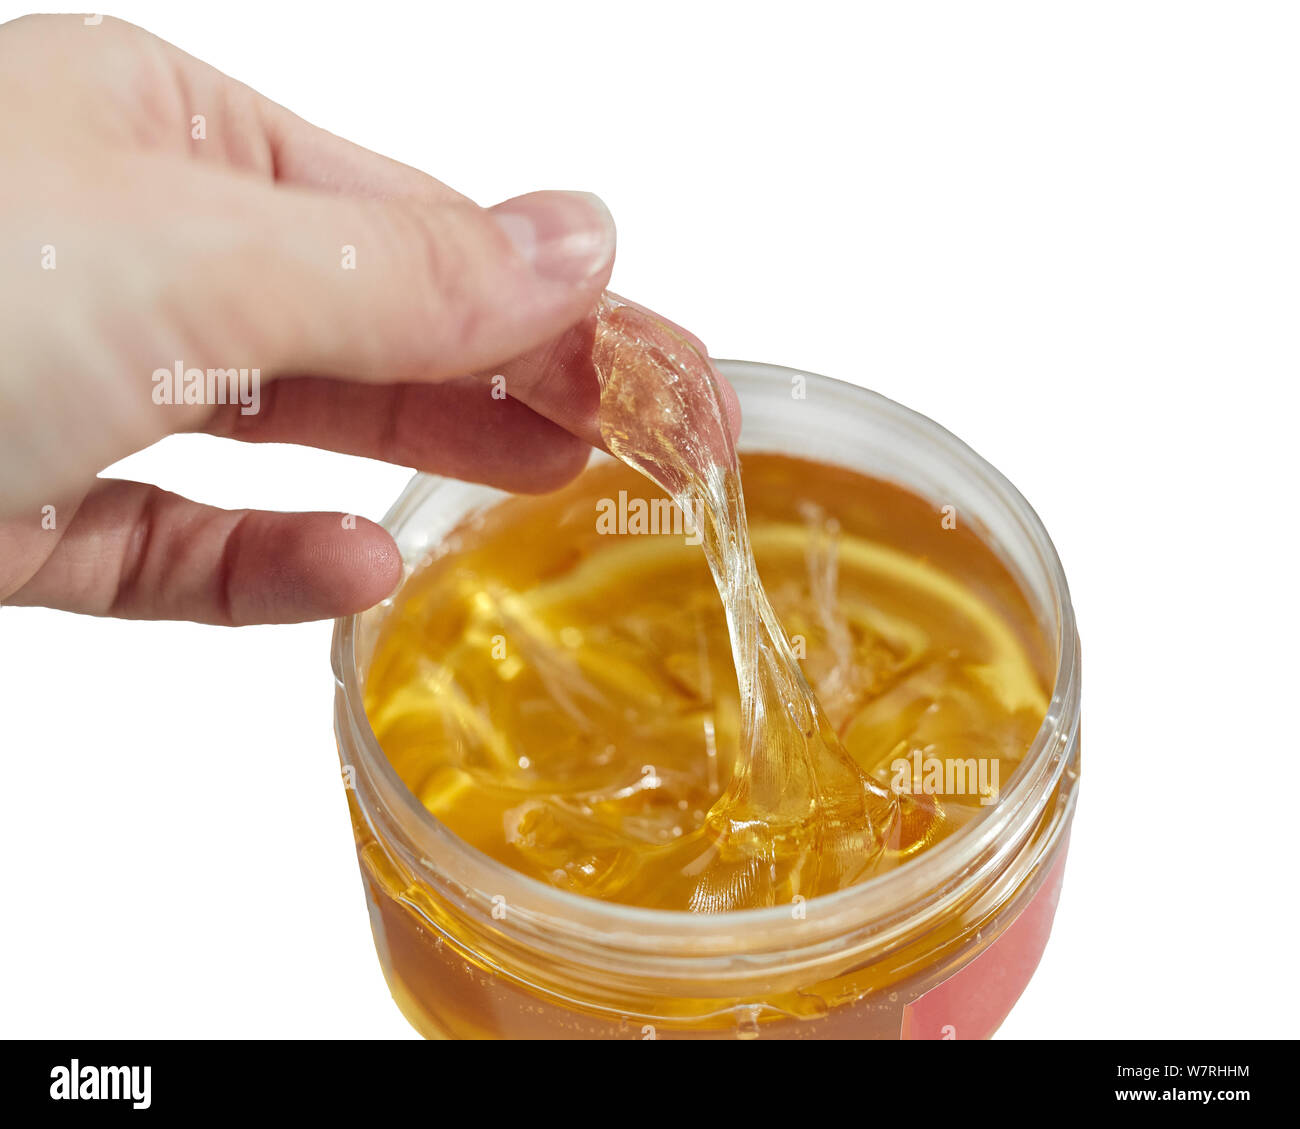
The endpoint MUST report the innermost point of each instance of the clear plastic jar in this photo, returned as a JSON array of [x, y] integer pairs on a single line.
[[942, 947]]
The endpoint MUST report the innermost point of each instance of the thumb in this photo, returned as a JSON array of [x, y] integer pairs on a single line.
[[400, 290]]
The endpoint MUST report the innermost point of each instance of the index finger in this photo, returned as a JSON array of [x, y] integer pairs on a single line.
[[558, 379]]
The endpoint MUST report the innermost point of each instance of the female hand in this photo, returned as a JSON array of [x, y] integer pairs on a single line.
[[157, 218]]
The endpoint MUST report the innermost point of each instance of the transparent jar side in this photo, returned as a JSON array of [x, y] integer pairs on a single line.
[[461, 978]]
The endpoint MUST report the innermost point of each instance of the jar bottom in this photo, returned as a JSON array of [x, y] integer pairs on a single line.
[[444, 994]]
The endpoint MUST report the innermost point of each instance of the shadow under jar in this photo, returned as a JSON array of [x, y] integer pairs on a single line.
[[940, 947]]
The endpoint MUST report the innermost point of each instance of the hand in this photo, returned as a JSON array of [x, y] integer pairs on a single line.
[[156, 214]]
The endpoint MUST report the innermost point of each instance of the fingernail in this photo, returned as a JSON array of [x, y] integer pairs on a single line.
[[565, 236]]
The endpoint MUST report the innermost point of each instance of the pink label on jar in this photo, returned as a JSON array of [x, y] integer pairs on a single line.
[[972, 1003]]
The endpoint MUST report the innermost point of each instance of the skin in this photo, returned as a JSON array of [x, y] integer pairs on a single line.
[[227, 251]]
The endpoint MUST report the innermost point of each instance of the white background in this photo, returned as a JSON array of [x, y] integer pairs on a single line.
[[1068, 232]]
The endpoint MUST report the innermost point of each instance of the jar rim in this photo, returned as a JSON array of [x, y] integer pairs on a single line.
[[876, 904]]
